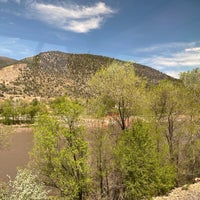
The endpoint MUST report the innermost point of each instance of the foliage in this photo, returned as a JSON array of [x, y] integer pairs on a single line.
[[67, 110], [6, 111], [141, 173], [25, 186], [60, 151], [117, 90], [175, 110], [129, 161], [191, 79], [166, 109], [19, 111]]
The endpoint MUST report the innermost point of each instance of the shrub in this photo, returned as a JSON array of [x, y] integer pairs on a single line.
[[25, 186]]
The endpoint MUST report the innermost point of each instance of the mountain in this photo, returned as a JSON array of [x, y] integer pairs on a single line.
[[5, 61], [55, 73]]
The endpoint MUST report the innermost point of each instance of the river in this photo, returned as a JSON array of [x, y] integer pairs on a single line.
[[17, 154]]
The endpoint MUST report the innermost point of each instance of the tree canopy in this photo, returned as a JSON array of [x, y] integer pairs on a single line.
[[118, 91]]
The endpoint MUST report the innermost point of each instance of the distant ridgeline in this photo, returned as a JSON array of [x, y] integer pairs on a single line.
[[55, 73], [4, 61]]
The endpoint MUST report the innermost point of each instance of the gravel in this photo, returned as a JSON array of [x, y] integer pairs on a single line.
[[187, 192]]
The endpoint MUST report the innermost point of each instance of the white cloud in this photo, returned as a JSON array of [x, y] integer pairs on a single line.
[[193, 49], [72, 17], [185, 58], [172, 58], [80, 27]]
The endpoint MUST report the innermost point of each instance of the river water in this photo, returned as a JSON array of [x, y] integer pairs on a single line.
[[17, 154]]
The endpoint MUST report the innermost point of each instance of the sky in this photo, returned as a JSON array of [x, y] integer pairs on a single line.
[[162, 34]]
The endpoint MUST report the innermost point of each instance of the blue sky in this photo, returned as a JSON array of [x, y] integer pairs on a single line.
[[163, 34]]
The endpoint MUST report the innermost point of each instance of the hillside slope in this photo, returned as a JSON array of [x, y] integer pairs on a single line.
[[55, 73], [5, 61]]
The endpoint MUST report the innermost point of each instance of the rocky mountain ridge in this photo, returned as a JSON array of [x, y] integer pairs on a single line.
[[54, 73]]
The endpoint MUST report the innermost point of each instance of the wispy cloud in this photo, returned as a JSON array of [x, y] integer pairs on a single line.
[[184, 58], [71, 17], [166, 47], [195, 49], [172, 58]]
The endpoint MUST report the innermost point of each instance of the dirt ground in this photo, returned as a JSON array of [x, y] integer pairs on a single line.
[[187, 192], [16, 155]]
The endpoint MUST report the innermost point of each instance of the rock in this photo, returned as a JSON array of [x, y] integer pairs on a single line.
[[188, 192]]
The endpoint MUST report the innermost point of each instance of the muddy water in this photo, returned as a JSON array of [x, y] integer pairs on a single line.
[[16, 155]]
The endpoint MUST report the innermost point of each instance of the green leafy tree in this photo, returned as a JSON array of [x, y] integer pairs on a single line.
[[166, 108], [117, 90], [60, 152], [7, 111], [142, 175], [32, 109], [176, 125], [191, 79], [67, 111], [17, 111]]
